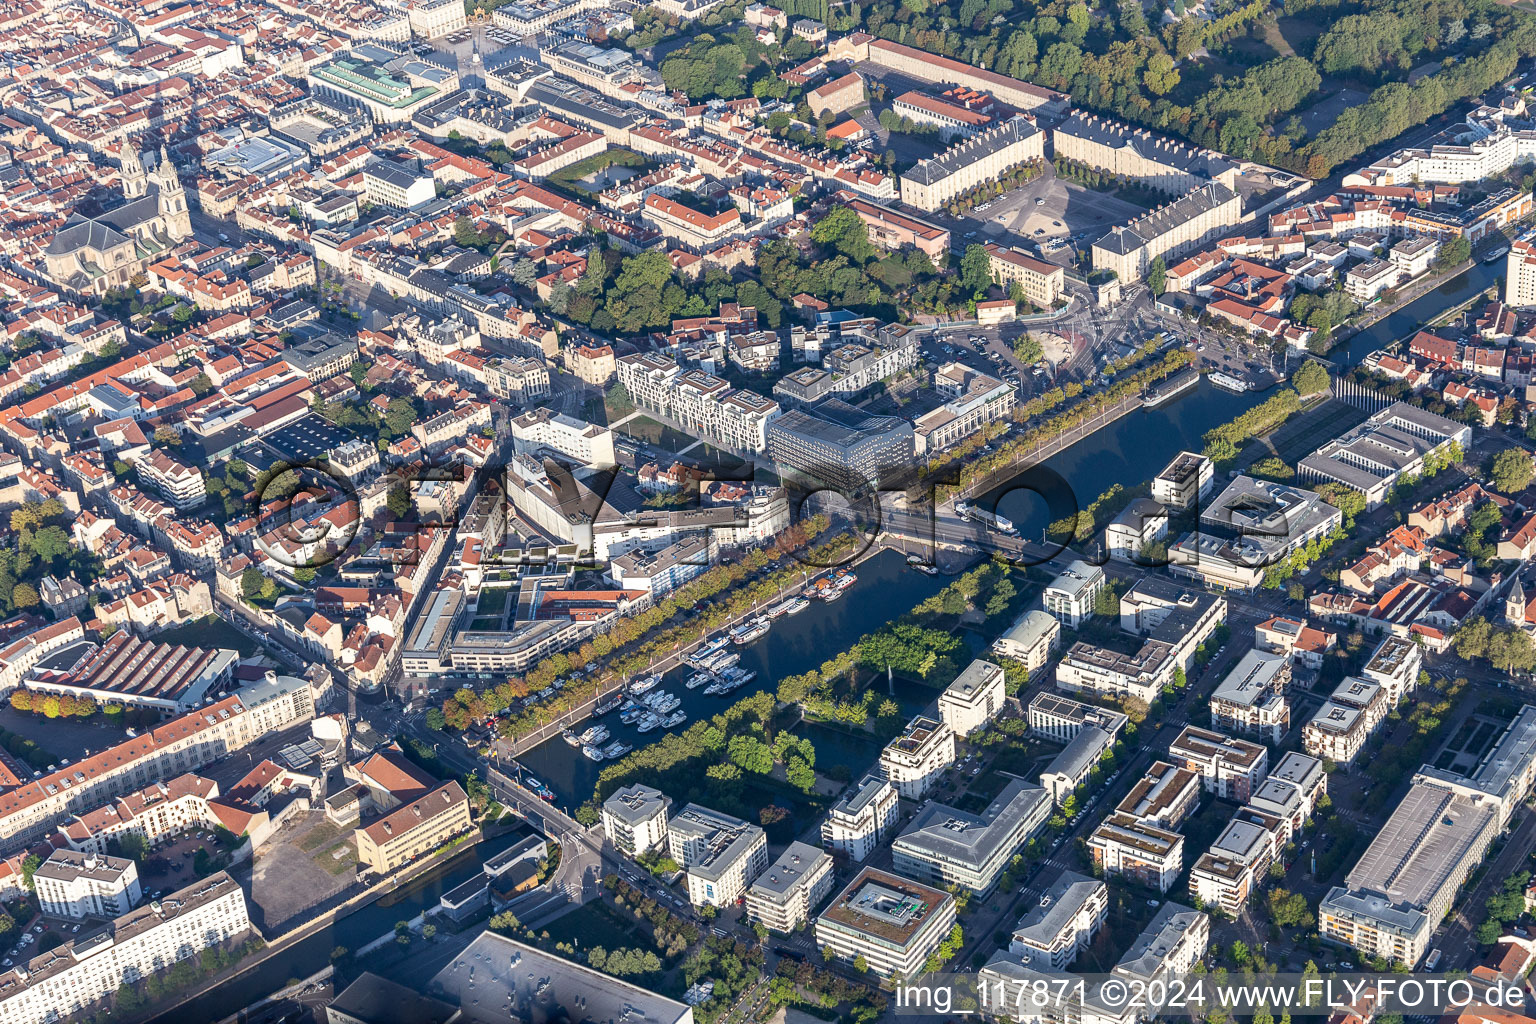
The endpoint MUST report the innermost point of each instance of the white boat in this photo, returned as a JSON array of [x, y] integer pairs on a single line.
[[925, 568], [674, 720], [629, 716], [1229, 382], [571, 738], [797, 606], [1497, 254], [644, 685], [595, 753], [697, 680], [723, 661], [667, 706], [648, 722], [710, 647], [617, 749], [843, 579], [595, 735], [753, 630]]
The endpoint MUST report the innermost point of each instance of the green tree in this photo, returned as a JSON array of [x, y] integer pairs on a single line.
[[1310, 378], [976, 270], [1157, 273], [1511, 471], [399, 501]]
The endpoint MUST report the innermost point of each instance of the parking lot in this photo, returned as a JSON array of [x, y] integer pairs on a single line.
[[29, 943], [173, 866], [1049, 213]]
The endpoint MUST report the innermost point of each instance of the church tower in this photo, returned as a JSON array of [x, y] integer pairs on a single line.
[[131, 169], [1514, 605], [173, 199]]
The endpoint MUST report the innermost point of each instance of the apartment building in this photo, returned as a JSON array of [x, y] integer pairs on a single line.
[[1042, 282], [1396, 665], [519, 380], [1227, 874], [68, 980], [1404, 884], [984, 157], [1346, 720], [1031, 640], [1063, 924], [1164, 796], [722, 855], [951, 119], [1110, 673], [1185, 482], [594, 364], [80, 885], [1058, 718], [1230, 768], [1169, 946], [914, 760], [392, 184], [1070, 768], [894, 923], [175, 481], [944, 845], [1291, 793], [1121, 150], [702, 403], [974, 698], [635, 818], [1071, 595], [785, 896], [1139, 850], [1170, 615], [179, 745], [1201, 216], [923, 66], [587, 443], [414, 829], [659, 573], [863, 818], [1249, 699]]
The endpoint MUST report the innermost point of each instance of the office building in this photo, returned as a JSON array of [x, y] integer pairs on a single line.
[[863, 818], [1230, 768], [1071, 595], [635, 818], [722, 855], [587, 443], [495, 973], [1031, 640], [1249, 699], [1139, 850], [972, 400], [1164, 796], [374, 1000], [785, 896], [914, 760], [397, 185], [974, 698], [1063, 924], [413, 829], [1393, 443], [894, 923], [1054, 717], [944, 845], [80, 885], [1506, 772], [1250, 526], [837, 446], [1069, 769], [1185, 482], [68, 980]]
